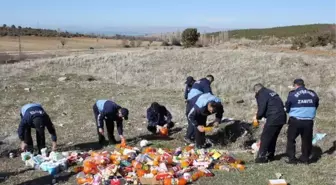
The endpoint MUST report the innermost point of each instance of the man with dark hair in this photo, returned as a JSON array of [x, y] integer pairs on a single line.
[[271, 107], [202, 106], [201, 86], [33, 116], [189, 83], [158, 116], [301, 105], [110, 112]]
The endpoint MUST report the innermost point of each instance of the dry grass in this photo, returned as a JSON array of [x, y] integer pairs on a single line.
[[44, 43], [136, 78]]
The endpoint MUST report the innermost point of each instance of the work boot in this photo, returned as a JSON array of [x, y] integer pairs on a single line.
[[187, 140], [303, 160], [261, 160], [270, 158], [205, 146], [292, 161], [112, 141]]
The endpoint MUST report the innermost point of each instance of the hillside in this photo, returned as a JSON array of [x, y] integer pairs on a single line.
[[281, 32]]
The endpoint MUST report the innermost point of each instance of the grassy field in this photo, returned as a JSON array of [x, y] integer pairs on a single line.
[[136, 78], [32, 43]]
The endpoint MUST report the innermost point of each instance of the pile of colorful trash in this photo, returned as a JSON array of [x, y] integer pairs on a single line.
[[130, 165]]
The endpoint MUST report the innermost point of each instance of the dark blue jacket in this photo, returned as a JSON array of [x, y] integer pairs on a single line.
[[28, 113], [302, 104], [270, 106], [160, 117], [199, 109], [199, 87], [108, 110]]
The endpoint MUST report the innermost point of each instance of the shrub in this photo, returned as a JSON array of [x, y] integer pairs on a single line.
[[321, 40], [176, 42], [124, 44], [132, 43], [138, 43], [63, 42], [298, 43], [164, 43], [190, 37]]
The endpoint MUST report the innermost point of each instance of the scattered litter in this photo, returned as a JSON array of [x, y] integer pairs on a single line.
[[61, 125], [255, 147], [11, 155], [277, 182], [318, 137], [27, 89], [240, 101], [144, 143], [278, 175], [62, 79]]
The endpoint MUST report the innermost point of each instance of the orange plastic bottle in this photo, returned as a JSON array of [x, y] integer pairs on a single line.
[[255, 123], [136, 165], [184, 164], [182, 181], [167, 181], [123, 143], [140, 172], [194, 177], [164, 131]]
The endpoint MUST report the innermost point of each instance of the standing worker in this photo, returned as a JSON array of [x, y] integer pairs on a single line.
[[110, 112], [33, 116], [204, 105], [271, 107], [201, 86], [189, 83], [158, 116], [301, 106]]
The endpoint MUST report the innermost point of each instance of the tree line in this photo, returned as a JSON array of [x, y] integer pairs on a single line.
[[13, 30]]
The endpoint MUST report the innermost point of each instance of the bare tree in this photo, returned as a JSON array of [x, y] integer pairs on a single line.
[[63, 42], [138, 43], [150, 43]]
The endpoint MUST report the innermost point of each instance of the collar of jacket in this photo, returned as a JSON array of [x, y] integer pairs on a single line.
[[257, 94]]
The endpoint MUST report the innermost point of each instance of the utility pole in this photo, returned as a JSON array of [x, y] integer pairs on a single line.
[[20, 49]]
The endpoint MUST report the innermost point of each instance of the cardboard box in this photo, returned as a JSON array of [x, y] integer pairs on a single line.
[[150, 181], [277, 182]]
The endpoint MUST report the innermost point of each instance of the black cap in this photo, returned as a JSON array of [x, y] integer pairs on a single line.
[[124, 113], [189, 80], [299, 82]]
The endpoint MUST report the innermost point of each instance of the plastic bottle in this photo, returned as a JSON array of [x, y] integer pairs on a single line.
[[136, 165], [208, 129], [255, 123], [123, 143], [164, 131], [184, 164], [195, 177], [182, 181], [162, 176]]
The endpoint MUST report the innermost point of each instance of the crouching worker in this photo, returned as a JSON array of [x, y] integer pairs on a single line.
[[271, 107], [203, 106], [158, 116], [110, 112], [33, 116]]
